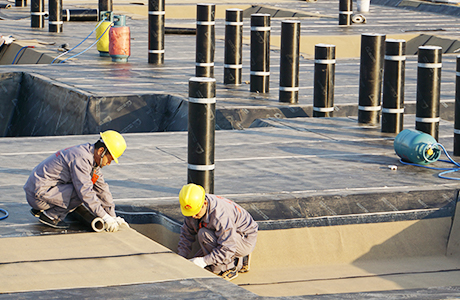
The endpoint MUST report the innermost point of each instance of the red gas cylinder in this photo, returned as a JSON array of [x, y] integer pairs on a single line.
[[119, 40]]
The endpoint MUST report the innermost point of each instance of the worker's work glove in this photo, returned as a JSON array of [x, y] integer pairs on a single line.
[[121, 221], [199, 261], [111, 224]]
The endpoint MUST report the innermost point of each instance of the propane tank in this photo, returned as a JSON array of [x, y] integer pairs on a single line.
[[103, 43], [416, 147], [119, 40]]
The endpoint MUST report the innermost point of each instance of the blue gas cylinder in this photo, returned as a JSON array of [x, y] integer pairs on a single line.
[[416, 147]]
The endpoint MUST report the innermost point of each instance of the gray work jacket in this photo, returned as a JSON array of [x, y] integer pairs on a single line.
[[74, 166], [228, 220]]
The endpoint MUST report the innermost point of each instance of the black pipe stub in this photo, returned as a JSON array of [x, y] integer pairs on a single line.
[[428, 90], [289, 62], [205, 40], [55, 22], [324, 80], [201, 132], [345, 12], [457, 110], [37, 13], [5, 5], [156, 32], [393, 86], [370, 77], [233, 53], [20, 3], [260, 53], [105, 5]]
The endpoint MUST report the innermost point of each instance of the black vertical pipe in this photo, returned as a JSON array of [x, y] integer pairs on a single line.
[[105, 5], [324, 79], [37, 13], [370, 77], [345, 12], [55, 22], [201, 131], [205, 40], [233, 55], [289, 62], [260, 53], [156, 32], [457, 110], [393, 86], [20, 3], [428, 90]]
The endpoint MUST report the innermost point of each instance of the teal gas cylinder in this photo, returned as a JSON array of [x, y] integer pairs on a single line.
[[416, 147]]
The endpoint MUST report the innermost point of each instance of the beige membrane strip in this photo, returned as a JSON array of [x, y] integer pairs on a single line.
[[344, 259], [88, 260]]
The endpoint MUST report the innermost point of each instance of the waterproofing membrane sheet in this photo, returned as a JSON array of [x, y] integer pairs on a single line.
[[38, 106], [88, 260]]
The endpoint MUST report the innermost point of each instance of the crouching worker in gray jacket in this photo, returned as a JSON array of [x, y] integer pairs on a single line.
[[71, 177], [226, 232]]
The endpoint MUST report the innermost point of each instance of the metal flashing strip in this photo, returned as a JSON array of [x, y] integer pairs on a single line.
[[369, 108], [228, 66], [205, 23], [429, 65], [259, 73], [427, 120], [201, 167], [345, 12], [234, 23], [56, 22], [202, 100], [393, 110], [325, 61], [200, 64], [156, 12], [323, 109], [289, 89], [260, 28], [156, 51], [395, 57]]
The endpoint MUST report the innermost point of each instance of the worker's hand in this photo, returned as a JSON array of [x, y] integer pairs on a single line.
[[121, 221], [199, 261], [111, 224]]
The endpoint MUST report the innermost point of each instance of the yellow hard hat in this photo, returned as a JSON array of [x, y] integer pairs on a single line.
[[115, 143], [191, 198]]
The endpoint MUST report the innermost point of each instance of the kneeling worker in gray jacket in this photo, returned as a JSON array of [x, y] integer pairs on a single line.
[[226, 232], [71, 177]]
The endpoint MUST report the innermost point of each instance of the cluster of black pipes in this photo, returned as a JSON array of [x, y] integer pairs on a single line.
[[381, 61]]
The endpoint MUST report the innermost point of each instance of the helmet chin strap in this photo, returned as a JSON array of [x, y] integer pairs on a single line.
[[102, 156]]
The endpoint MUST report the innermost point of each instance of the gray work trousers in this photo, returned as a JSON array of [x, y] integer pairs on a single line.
[[208, 241], [58, 201]]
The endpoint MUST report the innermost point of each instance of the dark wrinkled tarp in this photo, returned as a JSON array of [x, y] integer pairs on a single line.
[[33, 105]]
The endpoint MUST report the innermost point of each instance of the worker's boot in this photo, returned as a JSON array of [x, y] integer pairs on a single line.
[[229, 274], [246, 262], [35, 212], [55, 223]]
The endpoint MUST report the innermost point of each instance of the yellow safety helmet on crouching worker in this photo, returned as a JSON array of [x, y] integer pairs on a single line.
[[114, 142], [191, 198]]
